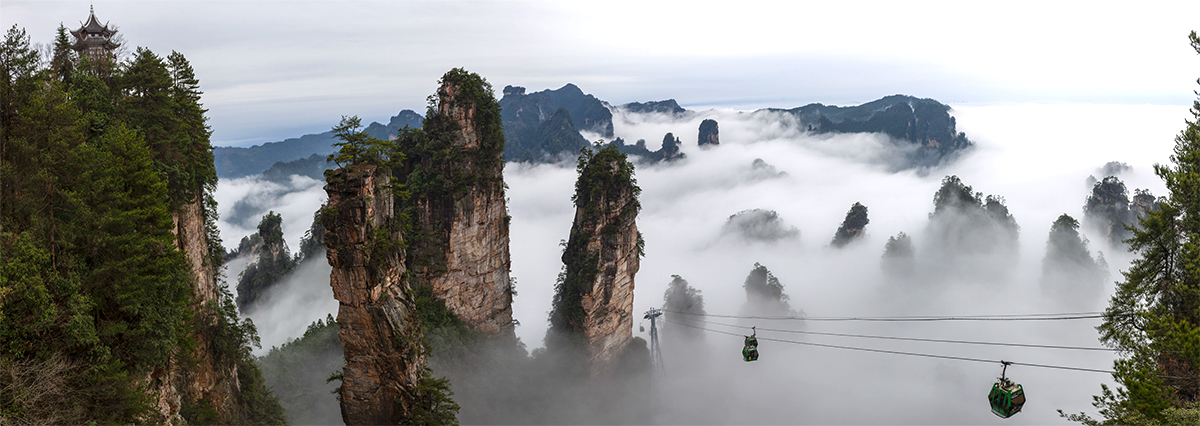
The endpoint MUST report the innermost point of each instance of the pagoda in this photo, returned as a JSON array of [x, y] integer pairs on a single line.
[[94, 40]]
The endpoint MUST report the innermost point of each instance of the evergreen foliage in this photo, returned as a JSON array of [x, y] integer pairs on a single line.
[[970, 235], [297, 373], [852, 227], [1068, 270], [764, 293], [899, 256], [434, 403], [356, 146], [1109, 210], [758, 225], [313, 240], [92, 167], [1153, 320], [63, 62], [683, 298]]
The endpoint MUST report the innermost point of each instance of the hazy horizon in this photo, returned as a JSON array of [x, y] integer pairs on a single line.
[[275, 69]]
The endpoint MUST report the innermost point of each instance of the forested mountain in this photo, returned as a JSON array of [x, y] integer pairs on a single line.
[[111, 309], [530, 121], [925, 123]]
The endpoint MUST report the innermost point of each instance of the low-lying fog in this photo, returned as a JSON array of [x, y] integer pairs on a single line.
[[1037, 157]]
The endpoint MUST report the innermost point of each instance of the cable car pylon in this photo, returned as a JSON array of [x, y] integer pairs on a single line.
[[656, 362]]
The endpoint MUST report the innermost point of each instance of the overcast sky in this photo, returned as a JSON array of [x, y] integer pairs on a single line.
[[277, 69]]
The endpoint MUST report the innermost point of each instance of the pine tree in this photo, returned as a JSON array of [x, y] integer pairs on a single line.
[[63, 62], [1154, 317]]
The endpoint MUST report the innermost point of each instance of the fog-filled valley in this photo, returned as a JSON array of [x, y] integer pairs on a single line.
[[1036, 158]]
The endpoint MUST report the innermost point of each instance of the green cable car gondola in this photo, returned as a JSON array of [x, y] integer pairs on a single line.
[[750, 349], [1006, 397]]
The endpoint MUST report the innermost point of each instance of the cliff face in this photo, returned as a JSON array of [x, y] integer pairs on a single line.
[[595, 299], [474, 282], [379, 330], [203, 379]]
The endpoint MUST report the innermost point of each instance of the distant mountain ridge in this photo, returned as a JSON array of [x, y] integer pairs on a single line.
[[547, 126], [541, 126], [235, 162]]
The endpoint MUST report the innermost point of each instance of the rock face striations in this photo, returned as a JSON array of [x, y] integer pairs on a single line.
[[593, 304], [378, 328], [456, 182], [206, 380]]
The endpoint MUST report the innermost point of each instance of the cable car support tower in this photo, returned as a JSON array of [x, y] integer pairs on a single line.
[[656, 362]]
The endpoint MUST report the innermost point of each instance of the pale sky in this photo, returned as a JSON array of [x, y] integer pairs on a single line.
[[277, 69]]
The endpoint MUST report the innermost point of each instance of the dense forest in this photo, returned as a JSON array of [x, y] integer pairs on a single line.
[[98, 157]]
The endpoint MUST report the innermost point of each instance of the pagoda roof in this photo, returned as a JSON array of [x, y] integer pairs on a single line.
[[93, 26]]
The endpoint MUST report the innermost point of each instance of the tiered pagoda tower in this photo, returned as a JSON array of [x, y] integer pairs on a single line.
[[94, 40]]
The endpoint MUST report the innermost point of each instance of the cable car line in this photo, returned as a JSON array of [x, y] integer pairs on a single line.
[[958, 358], [916, 339], [1010, 317]]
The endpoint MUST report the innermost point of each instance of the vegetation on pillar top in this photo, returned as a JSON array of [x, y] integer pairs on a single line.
[[605, 178], [604, 175], [356, 146]]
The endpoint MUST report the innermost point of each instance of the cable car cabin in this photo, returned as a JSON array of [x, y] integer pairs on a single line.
[[1006, 398], [750, 350], [749, 353]]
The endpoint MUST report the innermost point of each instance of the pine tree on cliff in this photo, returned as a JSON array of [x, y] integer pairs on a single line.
[[684, 303], [899, 256], [1107, 209], [852, 227], [1068, 270], [764, 294], [1153, 320]]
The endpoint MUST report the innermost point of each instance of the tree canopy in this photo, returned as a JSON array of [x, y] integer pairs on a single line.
[[92, 169], [1153, 319]]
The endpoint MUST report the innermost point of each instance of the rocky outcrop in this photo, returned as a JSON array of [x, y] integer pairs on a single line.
[[463, 255], [595, 299], [269, 265], [476, 285], [668, 107], [710, 133], [203, 379], [379, 330], [670, 148], [667, 153]]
